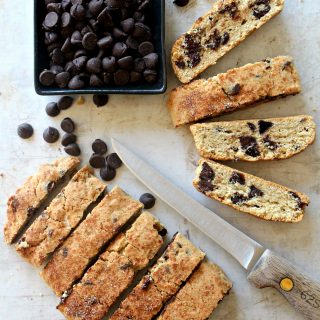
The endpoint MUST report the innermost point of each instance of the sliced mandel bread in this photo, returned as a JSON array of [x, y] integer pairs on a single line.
[[253, 140], [250, 194], [214, 34], [237, 88]]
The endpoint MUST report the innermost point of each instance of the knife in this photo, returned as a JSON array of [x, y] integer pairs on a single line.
[[265, 268]]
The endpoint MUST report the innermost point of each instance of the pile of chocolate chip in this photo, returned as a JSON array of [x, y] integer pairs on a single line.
[[97, 43]]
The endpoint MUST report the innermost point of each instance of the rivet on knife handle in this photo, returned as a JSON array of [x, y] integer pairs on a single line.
[[301, 292]]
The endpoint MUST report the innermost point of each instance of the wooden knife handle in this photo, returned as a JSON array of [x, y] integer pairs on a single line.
[[276, 272]]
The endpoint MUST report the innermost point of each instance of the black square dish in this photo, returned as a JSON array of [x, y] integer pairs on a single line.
[[41, 59]]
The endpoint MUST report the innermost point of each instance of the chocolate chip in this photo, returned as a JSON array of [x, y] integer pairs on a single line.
[[76, 37], [31, 211], [126, 266], [141, 32], [51, 20], [119, 34], [68, 138], [109, 64], [139, 16], [225, 38], [250, 146], [62, 79], [67, 125], [264, 126], [88, 283], [15, 204], [80, 62], [237, 177], [107, 173], [139, 65], [25, 131], [254, 192], [72, 149], [121, 77], [78, 12], [126, 63], [65, 102], [148, 200], [100, 100], [132, 43], [65, 252], [135, 77], [51, 135], [65, 20], [94, 65], [95, 7], [206, 177], [233, 90], [231, 8], [147, 280], [119, 49], [151, 60], [105, 43], [150, 75], [238, 198], [95, 81], [270, 144], [145, 48], [300, 204], [97, 161], [52, 109], [105, 19], [127, 25], [51, 37], [214, 40], [261, 8], [56, 69], [193, 50], [251, 126], [47, 78], [181, 3], [99, 147], [107, 78], [76, 83], [50, 186], [71, 68], [57, 56], [180, 64], [162, 232], [114, 161], [90, 41]]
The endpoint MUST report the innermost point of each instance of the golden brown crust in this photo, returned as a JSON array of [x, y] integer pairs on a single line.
[[27, 199], [247, 193], [200, 296], [114, 271], [275, 138], [214, 34], [100, 226], [233, 90], [62, 215], [162, 282]]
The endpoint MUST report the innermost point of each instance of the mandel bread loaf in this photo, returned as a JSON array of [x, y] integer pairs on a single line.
[[248, 193], [214, 34], [253, 140]]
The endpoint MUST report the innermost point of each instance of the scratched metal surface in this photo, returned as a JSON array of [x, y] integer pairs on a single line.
[[142, 122]]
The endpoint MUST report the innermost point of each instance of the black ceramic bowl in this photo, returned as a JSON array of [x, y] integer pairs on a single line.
[[41, 58]]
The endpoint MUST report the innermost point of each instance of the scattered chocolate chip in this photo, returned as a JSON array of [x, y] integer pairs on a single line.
[[233, 90], [286, 65], [250, 146], [25, 131], [231, 8], [180, 64], [162, 232], [206, 177], [65, 102], [52, 109], [113, 161], [264, 126], [97, 161], [126, 266], [107, 173], [181, 3], [214, 40], [254, 192], [88, 283], [251, 126], [270, 144], [300, 204], [225, 38], [146, 282], [31, 211], [68, 138], [50, 186], [51, 135], [193, 50], [100, 100], [99, 147], [261, 8], [72, 149], [47, 78], [65, 252], [238, 198], [67, 125], [148, 200], [237, 177]]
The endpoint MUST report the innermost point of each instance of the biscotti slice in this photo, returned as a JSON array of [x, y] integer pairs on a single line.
[[253, 140], [162, 282], [214, 34], [250, 194], [34, 192], [233, 90], [200, 296], [114, 271], [69, 262], [63, 214]]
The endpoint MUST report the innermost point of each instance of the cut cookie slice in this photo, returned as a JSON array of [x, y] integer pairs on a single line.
[[200, 296], [34, 192], [162, 282], [253, 140], [91, 298], [62, 215], [69, 262], [250, 194], [233, 90], [214, 34]]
